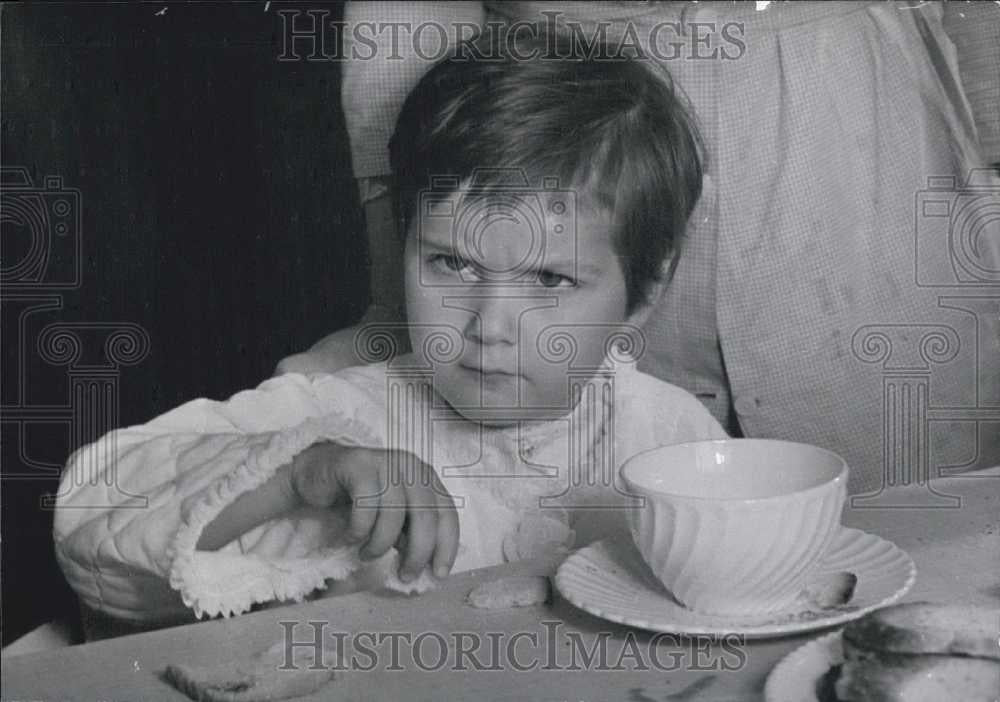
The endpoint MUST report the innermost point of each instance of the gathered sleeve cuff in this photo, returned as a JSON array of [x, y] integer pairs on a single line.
[[132, 506]]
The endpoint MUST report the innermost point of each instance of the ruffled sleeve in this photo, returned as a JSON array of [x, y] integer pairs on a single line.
[[133, 504]]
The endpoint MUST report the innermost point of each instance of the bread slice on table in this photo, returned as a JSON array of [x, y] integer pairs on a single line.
[[919, 652], [513, 591], [265, 677]]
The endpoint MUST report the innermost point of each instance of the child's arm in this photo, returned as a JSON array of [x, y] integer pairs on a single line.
[[132, 506]]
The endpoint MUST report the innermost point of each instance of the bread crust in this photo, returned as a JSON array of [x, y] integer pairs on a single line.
[[921, 652], [925, 628], [877, 676]]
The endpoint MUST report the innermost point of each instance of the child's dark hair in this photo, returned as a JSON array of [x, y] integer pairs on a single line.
[[612, 129]]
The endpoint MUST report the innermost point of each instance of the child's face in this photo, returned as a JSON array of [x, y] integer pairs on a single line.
[[514, 301]]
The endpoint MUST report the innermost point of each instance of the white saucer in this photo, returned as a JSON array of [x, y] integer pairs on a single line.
[[610, 580], [797, 676]]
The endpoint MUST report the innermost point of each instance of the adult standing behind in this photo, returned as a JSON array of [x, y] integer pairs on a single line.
[[803, 290]]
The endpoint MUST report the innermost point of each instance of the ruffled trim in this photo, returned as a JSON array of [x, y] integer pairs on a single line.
[[213, 583]]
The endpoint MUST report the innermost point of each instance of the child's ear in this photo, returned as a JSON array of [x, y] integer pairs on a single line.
[[640, 314]]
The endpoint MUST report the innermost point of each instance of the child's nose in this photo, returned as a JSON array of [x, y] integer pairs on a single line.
[[494, 318]]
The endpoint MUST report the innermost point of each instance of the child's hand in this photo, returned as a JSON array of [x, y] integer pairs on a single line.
[[390, 491]]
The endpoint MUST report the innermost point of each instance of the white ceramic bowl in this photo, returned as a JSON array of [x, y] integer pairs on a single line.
[[734, 526]]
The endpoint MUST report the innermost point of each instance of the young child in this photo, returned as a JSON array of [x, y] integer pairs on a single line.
[[544, 200]]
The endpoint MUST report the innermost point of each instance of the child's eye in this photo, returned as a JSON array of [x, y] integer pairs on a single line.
[[448, 262], [552, 280]]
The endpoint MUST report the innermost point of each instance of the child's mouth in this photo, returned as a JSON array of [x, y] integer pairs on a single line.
[[492, 380], [488, 372]]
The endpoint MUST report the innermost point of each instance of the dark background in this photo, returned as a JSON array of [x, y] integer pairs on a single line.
[[218, 213]]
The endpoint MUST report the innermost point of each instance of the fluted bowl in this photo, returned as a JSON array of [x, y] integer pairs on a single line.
[[734, 526]]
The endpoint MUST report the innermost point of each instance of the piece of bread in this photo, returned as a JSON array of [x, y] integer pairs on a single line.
[[537, 536], [893, 677], [922, 652], [922, 627], [264, 677], [515, 591]]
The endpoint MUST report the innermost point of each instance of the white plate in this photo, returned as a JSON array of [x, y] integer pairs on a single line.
[[610, 580], [797, 676]]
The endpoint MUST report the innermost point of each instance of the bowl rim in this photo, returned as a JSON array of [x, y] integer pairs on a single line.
[[841, 476]]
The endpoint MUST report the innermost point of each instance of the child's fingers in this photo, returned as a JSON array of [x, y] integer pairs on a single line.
[[314, 476], [448, 537], [427, 501], [389, 518], [421, 535], [364, 514], [363, 482], [401, 542]]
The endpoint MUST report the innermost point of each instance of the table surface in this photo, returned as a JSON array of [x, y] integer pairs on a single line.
[[955, 549]]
